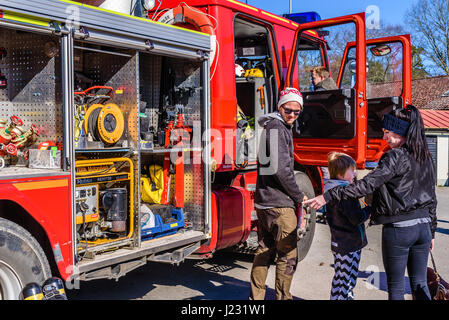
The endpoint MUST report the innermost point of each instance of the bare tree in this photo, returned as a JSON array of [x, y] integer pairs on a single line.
[[430, 21]]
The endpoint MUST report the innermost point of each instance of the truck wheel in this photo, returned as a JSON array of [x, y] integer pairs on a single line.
[[22, 260], [305, 241]]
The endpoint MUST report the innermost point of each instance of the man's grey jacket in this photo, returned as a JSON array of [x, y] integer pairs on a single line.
[[276, 185]]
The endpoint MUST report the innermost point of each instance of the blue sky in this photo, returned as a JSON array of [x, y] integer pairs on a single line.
[[390, 11]]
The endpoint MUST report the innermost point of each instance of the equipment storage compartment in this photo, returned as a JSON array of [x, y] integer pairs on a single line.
[[170, 127], [30, 103], [104, 204], [105, 97], [105, 136]]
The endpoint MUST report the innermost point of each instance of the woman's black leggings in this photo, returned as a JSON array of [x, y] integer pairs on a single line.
[[406, 247]]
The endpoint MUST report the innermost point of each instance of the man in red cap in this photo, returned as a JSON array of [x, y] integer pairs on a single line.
[[276, 199]]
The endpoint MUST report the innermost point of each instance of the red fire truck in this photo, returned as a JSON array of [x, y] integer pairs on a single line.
[[121, 139]]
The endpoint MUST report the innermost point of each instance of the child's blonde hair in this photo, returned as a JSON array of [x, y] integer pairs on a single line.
[[321, 71], [338, 163]]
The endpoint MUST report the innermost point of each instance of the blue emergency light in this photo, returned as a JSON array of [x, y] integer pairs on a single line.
[[303, 17]]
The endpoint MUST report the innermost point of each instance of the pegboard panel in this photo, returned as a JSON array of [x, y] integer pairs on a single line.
[[188, 88], [34, 85], [149, 89], [194, 190], [118, 71], [179, 78]]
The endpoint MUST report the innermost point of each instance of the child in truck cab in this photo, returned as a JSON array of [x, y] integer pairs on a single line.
[[346, 221], [321, 79]]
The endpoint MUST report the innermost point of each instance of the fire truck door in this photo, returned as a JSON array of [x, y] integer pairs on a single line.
[[256, 82], [388, 82], [332, 119]]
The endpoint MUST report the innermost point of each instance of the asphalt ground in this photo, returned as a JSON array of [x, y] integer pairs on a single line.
[[226, 275]]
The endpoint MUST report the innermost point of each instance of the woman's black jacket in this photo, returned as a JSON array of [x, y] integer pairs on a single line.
[[402, 189]]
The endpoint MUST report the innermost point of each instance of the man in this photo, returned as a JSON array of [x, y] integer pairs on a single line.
[[276, 199], [321, 79]]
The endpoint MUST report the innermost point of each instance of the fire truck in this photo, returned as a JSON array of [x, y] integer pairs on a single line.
[[120, 133]]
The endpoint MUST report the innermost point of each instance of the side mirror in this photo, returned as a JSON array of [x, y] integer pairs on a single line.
[[352, 65], [380, 50]]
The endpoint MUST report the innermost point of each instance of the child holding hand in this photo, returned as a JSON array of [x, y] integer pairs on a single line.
[[346, 221]]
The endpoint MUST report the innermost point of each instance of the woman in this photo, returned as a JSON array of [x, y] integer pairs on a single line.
[[404, 201]]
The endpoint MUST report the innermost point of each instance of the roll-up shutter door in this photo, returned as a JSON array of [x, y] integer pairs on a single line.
[[432, 144]]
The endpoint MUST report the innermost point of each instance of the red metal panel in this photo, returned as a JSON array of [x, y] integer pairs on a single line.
[[227, 219], [230, 205], [47, 200], [246, 182]]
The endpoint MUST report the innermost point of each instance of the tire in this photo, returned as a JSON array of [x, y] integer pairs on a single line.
[[22, 260], [305, 241]]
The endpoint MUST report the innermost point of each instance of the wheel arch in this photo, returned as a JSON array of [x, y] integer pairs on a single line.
[[12, 211], [315, 175]]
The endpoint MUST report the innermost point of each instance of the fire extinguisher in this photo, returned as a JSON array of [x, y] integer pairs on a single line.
[[52, 289]]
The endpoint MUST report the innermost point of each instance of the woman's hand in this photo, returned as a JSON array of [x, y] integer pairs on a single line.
[[315, 203], [432, 243]]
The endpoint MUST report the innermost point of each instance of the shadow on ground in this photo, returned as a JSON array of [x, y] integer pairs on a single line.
[[204, 276], [378, 281]]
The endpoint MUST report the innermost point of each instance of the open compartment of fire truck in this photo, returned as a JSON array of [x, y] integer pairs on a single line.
[[171, 168], [30, 103], [139, 172], [105, 141]]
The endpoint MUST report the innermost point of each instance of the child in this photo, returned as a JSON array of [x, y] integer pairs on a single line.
[[346, 221]]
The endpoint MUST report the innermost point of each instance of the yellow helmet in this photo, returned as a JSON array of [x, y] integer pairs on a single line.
[[254, 73]]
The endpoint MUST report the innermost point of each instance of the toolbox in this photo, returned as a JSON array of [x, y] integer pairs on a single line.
[[164, 224]]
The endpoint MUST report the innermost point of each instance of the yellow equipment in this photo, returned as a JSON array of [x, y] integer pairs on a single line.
[[105, 123], [152, 186], [95, 181], [254, 73], [111, 123]]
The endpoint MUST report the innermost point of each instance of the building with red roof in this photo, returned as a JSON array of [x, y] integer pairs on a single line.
[[431, 96]]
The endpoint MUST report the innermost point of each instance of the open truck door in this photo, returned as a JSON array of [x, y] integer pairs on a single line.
[[388, 82], [332, 120]]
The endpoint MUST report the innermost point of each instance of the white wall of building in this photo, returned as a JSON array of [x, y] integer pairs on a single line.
[[442, 160]]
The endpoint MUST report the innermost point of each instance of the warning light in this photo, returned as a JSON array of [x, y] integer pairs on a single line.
[[303, 17]]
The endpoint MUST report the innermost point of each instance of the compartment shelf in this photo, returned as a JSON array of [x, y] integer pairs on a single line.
[[102, 150], [165, 150]]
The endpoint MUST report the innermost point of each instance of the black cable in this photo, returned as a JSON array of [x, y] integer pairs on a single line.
[[92, 124]]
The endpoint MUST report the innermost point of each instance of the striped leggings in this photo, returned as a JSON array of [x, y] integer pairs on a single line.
[[346, 268]]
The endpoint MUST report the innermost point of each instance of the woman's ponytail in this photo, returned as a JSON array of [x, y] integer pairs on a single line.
[[416, 141]]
